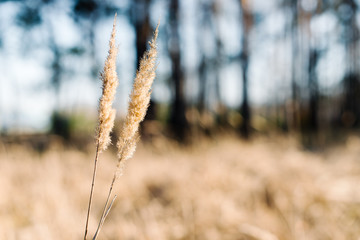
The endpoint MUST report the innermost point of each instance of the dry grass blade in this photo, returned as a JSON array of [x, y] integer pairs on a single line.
[[138, 105], [103, 217], [106, 112]]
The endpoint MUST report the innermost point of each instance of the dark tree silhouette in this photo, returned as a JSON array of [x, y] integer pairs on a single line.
[[350, 113], [178, 122], [314, 91], [295, 122], [221, 109], [247, 22]]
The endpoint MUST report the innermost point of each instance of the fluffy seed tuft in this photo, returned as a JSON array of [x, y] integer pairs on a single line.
[[109, 85], [138, 105]]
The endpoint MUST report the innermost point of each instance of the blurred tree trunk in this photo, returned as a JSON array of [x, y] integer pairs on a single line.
[[202, 88], [314, 91], [141, 21], [311, 123], [221, 109], [247, 22], [178, 120], [308, 63], [206, 66], [350, 116], [294, 123], [203, 69]]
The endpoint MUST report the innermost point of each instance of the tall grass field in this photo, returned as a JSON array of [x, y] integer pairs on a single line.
[[224, 189]]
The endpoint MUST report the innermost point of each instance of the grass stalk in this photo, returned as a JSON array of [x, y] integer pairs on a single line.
[[106, 112], [91, 190], [138, 105], [106, 209]]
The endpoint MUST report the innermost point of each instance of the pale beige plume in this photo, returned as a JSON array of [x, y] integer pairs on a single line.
[[106, 112], [139, 102], [138, 105], [109, 85]]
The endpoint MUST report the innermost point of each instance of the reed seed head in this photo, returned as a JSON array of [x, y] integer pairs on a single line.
[[109, 85], [139, 102]]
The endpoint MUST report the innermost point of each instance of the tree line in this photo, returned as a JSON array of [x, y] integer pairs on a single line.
[[300, 102]]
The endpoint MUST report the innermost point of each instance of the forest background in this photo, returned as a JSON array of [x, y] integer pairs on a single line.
[[250, 67]]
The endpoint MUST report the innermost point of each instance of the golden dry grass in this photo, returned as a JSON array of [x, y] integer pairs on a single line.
[[226, 189], [138, 105], [109, 84]]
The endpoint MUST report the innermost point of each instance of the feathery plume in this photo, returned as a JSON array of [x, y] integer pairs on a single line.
[[138, 105], [139, 102], [109, 85], [106, 112]]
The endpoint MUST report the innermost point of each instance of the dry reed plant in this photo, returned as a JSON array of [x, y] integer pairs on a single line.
[[138, 105], [106, 112]]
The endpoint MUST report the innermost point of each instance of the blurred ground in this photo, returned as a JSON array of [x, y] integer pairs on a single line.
[[224, 189]]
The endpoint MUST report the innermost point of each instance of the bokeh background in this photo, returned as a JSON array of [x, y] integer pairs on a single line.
[[252, 130], [253, 66]]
